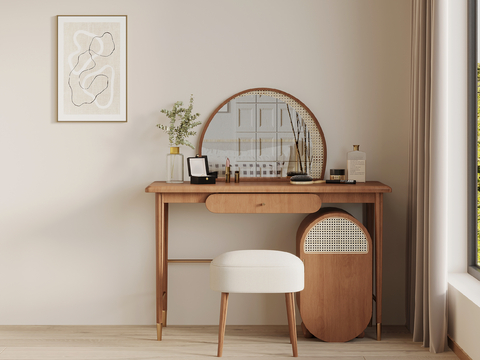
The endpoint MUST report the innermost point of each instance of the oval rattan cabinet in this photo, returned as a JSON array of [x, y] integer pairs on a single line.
[[336, 304]]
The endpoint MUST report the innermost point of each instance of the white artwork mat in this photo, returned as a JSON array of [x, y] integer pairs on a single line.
[[92, 68]]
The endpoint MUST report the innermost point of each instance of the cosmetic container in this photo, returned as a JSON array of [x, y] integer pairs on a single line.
[[227, 174], [356, 164], [337, 174]]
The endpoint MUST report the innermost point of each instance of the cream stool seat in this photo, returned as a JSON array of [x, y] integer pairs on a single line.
[[257, 271]]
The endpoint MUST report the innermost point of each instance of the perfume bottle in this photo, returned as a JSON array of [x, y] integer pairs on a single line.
[[356, 163]]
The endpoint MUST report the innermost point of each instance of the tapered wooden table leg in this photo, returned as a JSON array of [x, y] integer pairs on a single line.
[[161, 231], [378, 260], [159, 332]]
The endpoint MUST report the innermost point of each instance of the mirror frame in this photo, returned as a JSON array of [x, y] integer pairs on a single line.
[[297, 105]]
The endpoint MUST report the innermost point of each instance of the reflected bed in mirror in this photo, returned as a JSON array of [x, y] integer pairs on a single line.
[[265, 133]]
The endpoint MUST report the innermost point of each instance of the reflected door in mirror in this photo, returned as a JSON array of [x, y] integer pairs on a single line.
[[257, 133]]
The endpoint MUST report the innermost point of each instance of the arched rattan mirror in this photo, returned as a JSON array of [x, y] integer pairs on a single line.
[[265, 133]]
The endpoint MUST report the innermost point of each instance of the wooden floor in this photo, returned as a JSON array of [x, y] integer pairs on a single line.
[[198, 342]]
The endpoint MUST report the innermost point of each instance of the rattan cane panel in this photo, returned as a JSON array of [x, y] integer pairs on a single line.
[[336, 235], [318, 157]]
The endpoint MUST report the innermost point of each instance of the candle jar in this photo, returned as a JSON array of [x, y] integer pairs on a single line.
[[337, 174]]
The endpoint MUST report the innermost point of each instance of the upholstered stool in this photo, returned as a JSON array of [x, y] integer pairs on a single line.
[[257, 271]]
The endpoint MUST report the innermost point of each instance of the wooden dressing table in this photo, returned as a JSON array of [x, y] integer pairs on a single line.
[[265, 197]]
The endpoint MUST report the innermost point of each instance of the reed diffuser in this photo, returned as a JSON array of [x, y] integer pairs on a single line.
[[303, 154]]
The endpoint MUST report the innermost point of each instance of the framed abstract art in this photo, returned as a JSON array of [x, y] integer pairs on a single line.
[[92, 68]]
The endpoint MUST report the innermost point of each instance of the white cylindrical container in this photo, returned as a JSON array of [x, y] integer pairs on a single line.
[[356, 164]]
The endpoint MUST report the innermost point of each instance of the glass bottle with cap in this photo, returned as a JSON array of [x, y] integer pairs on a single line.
[[174, 165], [356, 164]]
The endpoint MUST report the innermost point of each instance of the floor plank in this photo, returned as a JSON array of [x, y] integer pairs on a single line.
[[198, 342]]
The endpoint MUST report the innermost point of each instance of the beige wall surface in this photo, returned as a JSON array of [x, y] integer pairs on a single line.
[[77, 229]]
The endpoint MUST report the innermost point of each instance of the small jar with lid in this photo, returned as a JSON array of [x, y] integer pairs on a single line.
[[337, 174]]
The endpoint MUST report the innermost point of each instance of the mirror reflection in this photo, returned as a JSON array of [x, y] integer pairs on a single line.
[[261, 136]]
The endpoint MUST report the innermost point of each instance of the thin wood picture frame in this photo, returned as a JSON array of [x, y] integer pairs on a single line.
[[92, 68]]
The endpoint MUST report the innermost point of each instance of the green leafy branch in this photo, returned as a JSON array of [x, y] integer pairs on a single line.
[[178, 134]]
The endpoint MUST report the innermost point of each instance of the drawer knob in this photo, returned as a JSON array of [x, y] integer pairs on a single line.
[[262, 204]]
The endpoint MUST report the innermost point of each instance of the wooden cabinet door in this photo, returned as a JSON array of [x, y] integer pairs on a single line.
[[336, 303]]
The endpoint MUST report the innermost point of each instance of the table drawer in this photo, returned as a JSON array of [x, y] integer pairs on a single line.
[[263, 203]]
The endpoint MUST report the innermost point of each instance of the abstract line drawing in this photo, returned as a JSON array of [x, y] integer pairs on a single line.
[[85, 78], [91, 68]]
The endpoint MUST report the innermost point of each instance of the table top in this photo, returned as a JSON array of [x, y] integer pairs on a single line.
[[267, 187]]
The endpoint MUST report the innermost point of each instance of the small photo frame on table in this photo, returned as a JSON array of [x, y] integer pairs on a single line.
[[92, 68]]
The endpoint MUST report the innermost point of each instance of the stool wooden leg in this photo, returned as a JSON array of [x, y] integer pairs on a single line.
[[289, 310], [223, 322], [292, 326]]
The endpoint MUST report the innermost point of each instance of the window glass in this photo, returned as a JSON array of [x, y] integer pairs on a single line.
[[478, 160], [477, 247]]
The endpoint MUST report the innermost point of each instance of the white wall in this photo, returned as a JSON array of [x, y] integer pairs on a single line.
[[77, 229]]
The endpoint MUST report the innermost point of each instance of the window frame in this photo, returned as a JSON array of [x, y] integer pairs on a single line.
[[472, 131]]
